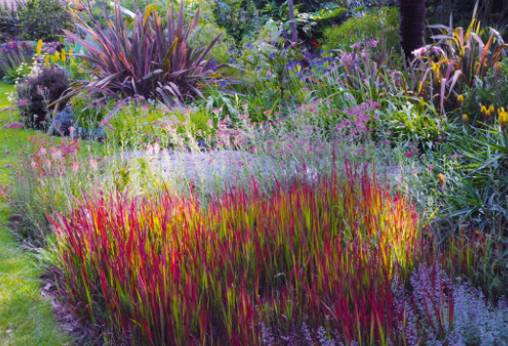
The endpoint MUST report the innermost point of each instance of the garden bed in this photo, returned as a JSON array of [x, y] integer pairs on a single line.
[[251, 173]]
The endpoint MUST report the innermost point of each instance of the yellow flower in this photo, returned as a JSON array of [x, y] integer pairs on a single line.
[[487, 112], [441, 178], [435, 69], [491, 110], [63, 56], [465, 117], [503, 117], [38, 48], [460, 99]]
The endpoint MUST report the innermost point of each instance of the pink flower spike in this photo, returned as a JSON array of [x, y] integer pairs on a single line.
[[23, 102], [75, 167], [93, 164]]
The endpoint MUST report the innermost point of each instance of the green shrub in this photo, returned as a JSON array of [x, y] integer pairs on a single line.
[[381, 24], [275, 7], [278, 85], [138, 124], [328, 13], [271, 75], [88, 111], [206, 33], [312, 24], [238, 17], [43, 19], [403, 121]]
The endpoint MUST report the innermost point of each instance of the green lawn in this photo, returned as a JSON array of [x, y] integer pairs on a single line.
[[26, 318]]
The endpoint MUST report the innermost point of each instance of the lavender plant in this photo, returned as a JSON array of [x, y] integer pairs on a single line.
[[477, 323], [443, 312]]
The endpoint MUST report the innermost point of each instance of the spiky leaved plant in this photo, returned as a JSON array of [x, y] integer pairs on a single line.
[[152, 58], [412, 25]]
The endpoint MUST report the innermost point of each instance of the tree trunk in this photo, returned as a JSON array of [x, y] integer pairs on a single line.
[[412, 25], [498, 6], [294, 33]]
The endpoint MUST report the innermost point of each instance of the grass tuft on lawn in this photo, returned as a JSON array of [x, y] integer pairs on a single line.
[[26, 318]]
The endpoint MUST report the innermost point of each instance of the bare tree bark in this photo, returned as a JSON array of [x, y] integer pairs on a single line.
[[412, 25], [294, 33]]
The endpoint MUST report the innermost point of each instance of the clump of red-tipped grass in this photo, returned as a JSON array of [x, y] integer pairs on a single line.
[[167, 270]]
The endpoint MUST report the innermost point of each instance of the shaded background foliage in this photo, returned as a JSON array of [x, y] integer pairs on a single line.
[[491, 12]]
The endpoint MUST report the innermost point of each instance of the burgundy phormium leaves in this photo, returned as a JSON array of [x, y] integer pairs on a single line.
[[167, 270], [153, 60]]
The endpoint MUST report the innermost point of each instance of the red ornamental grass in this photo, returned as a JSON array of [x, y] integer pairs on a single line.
[[167, 270]]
